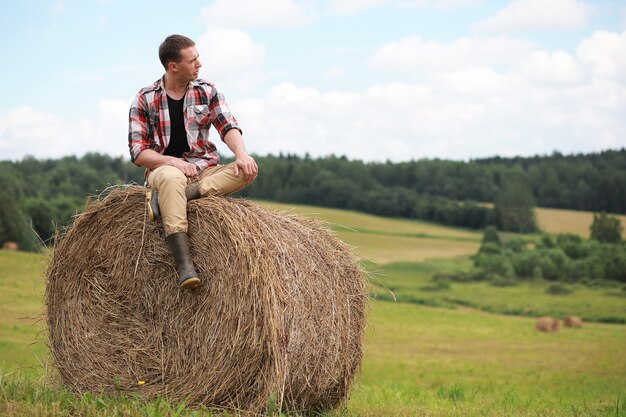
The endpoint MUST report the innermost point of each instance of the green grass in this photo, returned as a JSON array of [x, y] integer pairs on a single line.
[[464, 362], [412, 283], [459, 359], [21, 309], [425, 361], [384, 240]]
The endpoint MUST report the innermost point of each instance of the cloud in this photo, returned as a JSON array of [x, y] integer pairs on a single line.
[[557, 67], [442, 4], [401, 121], [538, 14], [28, 131], [605, 54], [230, 58], [335, 72], [254, 13], [343, 7], [417, 54], [474, 98]]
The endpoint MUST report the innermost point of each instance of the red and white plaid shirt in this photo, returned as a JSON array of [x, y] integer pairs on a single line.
[[149, 124]]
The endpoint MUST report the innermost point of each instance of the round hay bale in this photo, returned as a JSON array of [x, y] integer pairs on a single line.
[[573, 322], [547, 324], [12, 246], [280, 314]]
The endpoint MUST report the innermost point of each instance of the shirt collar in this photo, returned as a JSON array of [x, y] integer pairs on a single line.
[[160, 85]]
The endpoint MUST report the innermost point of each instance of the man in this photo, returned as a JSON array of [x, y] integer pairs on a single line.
[[168, 135]]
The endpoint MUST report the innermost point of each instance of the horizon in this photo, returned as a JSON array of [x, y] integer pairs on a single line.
[[328, 156], [382, 80]]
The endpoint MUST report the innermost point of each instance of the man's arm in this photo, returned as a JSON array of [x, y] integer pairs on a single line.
[[243, 161], [151, 159]]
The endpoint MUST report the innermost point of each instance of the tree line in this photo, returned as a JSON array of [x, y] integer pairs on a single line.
[[43, 194]]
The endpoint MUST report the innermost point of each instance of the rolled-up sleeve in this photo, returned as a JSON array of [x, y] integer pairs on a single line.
[[220, 116], [138, 127]]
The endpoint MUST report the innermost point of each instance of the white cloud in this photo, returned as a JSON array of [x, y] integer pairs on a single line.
[[408, 121], [335, 72], [471, 80], [28, 131], [474, 98], [415, 53], [254, 13], [538, 14], [442, 4], [605, 54], [230, 58], [557, 67], [342, 7]]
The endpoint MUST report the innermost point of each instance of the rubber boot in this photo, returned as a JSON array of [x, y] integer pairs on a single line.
[[152, 203], [179, 247], [192, 191]]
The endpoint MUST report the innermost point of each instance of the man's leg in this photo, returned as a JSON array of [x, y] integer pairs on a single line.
[[170, 184], [221, 180]]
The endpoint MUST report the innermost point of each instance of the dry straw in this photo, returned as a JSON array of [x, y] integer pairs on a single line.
[[281, 312]]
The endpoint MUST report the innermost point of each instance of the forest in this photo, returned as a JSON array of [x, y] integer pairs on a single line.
[[42, 195]]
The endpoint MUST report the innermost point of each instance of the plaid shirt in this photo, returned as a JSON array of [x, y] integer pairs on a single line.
[[149, 121]]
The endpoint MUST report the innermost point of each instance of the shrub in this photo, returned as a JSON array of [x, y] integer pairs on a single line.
[[558, 289], [606, 228], [490, 248], [573, 246], [499, 281], [494, 265], [527, 264], [491, 235], [546, 241], [517, 245]]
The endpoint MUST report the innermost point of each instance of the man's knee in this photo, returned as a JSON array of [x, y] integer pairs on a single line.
[[168, 176], [223, 181]]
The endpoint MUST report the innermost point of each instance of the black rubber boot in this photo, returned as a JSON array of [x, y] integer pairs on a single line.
[[179, 247], [192, 191], [152, 202]]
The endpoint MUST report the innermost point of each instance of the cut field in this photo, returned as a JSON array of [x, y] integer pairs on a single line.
[[569, 221], [455, 359], [384, 240]]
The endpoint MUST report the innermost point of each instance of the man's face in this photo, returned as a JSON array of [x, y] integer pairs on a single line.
[[189, 65]]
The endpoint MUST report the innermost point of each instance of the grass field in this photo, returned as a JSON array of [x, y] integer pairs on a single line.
[[384, 240], [433, 352], [569, 221]]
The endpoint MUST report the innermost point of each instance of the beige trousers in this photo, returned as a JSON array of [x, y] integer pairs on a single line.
[[170, 183]]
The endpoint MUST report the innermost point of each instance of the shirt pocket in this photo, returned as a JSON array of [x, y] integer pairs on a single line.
[[200, 114]]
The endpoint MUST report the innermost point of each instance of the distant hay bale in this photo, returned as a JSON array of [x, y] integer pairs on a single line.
[[547, 324], [573, 322], [280, 314], [12, 246]]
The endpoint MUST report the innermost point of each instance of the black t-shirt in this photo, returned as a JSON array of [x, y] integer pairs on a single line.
[[178, 137]]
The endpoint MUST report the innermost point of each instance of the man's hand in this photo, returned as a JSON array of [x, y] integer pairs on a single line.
[[189, 169], [247, 165], [152, 160], [243, 162]]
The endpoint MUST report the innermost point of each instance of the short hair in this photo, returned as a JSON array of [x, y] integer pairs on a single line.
[[170, 48]]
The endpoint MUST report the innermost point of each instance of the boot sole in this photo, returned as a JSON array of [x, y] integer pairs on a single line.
[[151, 214], [190, 284]]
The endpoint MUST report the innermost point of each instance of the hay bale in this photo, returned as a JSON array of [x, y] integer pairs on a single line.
[[573, 322], [547, 324], [281, 311], [12, 246]]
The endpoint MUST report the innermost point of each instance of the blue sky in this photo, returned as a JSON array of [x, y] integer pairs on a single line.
[[369, 79]]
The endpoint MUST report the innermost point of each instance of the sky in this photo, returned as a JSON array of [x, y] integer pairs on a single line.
[[373, 80]]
